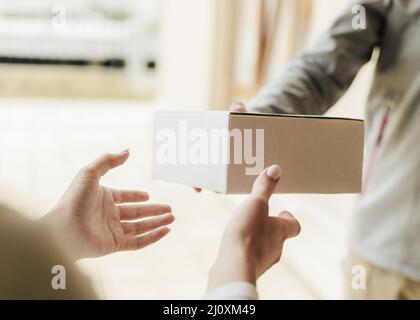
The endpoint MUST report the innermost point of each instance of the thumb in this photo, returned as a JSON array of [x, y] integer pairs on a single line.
[[266, 182], [106, 162]]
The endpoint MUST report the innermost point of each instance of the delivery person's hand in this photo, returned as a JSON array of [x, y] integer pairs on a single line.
[[253, 240], [237, 107], [94, 220]]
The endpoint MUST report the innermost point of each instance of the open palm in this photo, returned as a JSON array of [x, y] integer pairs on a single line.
[[98, 220]]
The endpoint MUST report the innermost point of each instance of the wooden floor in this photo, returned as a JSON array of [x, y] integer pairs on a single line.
[[42, 145]]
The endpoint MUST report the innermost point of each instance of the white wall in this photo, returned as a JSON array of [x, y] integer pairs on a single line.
[[194, 59], [185, 54]]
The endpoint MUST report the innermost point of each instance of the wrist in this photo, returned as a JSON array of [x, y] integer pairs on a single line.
[[60, 225], [53, 220], [232, 265]]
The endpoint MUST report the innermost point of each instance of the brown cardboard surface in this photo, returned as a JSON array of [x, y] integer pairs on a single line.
[[317, 155]]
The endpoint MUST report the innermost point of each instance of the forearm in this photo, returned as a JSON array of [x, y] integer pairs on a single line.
[[316, 79], [232, 277], [232, 266], [63, 232]]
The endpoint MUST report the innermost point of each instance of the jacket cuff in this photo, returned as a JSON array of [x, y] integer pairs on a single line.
[[233, 291]]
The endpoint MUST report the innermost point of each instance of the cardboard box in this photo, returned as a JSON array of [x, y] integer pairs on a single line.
[[319, 155]]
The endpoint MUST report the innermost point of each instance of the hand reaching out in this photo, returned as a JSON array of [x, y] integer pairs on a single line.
[[238, 107], [96, 220], [253, 240]]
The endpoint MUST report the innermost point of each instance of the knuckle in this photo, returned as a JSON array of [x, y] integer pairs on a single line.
[[284, 232], [88, 170], [153, 224], [106, 157], [259, 200]]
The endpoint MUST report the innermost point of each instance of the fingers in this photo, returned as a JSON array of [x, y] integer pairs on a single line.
[[136, 243], [238, 107], [197, 189], [266, 182], [135, 212], [126, 196], [291, 226], [147, 225], [107, 162]]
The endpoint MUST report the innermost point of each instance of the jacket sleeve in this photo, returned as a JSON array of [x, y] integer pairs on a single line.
[[233, 291], [317, 78]]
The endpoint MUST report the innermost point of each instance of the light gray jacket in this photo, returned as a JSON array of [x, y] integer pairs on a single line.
[[386, 226]]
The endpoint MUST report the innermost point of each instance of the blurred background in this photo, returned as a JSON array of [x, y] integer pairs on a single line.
[[83, 77]]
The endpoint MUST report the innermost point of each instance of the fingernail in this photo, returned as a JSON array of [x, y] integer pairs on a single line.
[[125, 151], [274, 172]]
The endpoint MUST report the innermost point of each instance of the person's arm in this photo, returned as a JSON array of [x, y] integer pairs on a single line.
[[252, 242], [317, 78], [91, 220], [33, 266]]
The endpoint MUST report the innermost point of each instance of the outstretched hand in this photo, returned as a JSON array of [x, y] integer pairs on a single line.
[[253, 240], [93, 220]]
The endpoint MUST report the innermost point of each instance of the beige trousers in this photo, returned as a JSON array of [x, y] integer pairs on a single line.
[[366, 281]]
